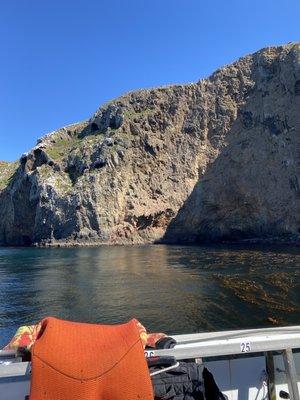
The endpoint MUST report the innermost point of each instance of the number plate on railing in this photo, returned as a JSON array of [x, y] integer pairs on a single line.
[[245, 347]]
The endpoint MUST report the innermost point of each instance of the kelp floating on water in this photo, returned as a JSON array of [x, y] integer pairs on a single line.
[[271, 295]]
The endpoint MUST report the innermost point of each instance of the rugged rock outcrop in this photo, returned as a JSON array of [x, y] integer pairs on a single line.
[[214, 160]]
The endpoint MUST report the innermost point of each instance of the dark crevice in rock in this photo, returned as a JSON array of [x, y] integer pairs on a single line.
[[40, 158], [156, 220], [297, 88], [26, 241], [294, 184], [73, 173], [272, 124], [99, 164], [94, 127], [149, 149], [144, 221]]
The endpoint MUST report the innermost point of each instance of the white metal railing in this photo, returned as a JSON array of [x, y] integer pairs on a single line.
[[212, 344], [232, 342]]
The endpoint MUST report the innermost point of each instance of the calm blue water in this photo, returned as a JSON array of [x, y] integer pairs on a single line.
[[174, 289]]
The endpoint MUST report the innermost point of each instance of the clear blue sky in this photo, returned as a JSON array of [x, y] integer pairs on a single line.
[[61, 59]]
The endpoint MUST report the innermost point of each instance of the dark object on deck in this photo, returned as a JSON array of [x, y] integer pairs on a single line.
[[284, 395], [212, 392], [182, 383], [188, 381], [166, 342]]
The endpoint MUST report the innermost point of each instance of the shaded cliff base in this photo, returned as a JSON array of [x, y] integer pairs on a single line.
[[235, 240]]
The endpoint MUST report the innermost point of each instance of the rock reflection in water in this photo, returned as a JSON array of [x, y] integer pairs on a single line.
[[175, 289]]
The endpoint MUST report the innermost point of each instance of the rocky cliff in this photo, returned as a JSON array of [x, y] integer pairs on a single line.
[[214, 160]]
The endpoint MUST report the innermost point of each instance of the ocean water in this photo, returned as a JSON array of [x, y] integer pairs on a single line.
[[173, 289]]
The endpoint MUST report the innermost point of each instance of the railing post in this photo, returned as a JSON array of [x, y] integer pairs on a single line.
[[271, 375], [291, 374]]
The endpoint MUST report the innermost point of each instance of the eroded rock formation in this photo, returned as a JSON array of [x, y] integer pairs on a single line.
[[214, 160]]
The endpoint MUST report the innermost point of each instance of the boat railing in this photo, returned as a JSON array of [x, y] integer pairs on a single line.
[[208, 345], [240, 342]]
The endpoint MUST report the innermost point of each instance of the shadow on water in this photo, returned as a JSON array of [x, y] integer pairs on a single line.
[[175, 289]]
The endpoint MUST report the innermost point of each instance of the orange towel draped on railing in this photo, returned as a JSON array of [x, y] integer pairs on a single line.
[[76, 361]]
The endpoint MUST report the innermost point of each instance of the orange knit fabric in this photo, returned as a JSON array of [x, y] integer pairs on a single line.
[[75, 361]]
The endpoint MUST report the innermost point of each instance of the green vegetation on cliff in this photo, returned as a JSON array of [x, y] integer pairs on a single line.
[[7, 170]]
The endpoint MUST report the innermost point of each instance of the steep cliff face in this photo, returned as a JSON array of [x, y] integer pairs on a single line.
[[214, 160]]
